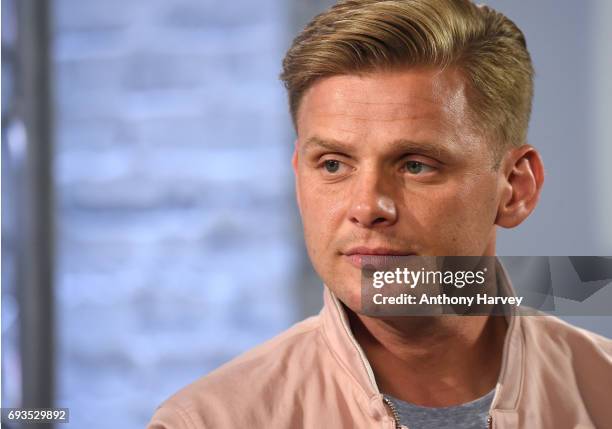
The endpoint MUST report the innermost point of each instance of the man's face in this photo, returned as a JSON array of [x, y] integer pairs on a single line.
[[387, 163]]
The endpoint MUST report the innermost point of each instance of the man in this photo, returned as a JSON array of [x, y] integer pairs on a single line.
[[411, 120]]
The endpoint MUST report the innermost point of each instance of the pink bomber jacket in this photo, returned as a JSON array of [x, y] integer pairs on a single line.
[[315, 375]]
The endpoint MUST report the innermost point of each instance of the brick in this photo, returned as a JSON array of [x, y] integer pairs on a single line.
[[172, 169]]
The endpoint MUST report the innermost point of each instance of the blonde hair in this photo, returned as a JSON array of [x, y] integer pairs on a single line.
[[361, 36]]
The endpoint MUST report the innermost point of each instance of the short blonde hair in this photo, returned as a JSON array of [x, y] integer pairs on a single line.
[[361, 36]]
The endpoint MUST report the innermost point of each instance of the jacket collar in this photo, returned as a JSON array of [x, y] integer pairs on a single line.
[[350, 355]]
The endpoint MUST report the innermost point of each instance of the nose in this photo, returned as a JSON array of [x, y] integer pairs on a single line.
[[372, 204]]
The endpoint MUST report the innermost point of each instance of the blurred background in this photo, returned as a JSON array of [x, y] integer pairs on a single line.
[[149, 231]]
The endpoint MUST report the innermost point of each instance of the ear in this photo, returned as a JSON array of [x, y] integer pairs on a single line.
[[294, 164], [521, 183], [294, 158]]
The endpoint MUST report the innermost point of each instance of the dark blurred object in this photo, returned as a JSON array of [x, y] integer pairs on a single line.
[[27, 149]]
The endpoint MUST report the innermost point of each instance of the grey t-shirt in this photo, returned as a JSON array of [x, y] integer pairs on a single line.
[[471, 415]]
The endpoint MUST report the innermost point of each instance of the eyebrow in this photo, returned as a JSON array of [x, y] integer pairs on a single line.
[[400, 145], [331, 145]]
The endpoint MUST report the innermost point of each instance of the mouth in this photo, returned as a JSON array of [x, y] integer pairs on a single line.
[[378, 258]]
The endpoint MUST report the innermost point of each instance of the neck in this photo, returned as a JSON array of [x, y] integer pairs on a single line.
[[434, 361]]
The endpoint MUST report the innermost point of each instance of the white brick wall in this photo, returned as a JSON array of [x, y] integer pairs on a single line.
[[176, 235]]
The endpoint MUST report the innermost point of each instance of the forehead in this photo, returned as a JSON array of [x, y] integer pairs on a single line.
[[411, 104]]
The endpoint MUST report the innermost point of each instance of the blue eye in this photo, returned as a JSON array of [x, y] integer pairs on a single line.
[[415, 167], [331, 165]]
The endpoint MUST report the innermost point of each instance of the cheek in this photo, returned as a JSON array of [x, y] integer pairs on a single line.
[[477, 221], [456, 219], [323, 201], [322, 212]]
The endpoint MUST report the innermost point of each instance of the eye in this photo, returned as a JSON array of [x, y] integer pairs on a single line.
[[417, 167], [333, 169], [331, 165]]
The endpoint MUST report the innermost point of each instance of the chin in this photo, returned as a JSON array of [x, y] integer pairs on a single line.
[[348, 294]]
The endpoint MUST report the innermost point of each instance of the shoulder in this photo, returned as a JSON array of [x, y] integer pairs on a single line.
[[557, 350], [564, 364], [247, 383], [554, 333]]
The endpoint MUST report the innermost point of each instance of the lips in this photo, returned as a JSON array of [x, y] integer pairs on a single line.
[[376, 258]]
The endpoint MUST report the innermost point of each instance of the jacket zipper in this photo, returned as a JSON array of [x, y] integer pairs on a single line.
[[397, 419], [393, 412], [368, 369], [367, 366]]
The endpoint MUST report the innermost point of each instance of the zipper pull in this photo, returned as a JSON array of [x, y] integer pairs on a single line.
[[489, 422]]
